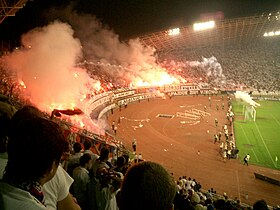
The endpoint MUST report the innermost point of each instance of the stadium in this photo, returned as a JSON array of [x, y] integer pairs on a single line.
[[167, 90]]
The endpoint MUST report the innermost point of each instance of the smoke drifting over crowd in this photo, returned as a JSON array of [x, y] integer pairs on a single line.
[[45, 66], [129, 62], [211, 67], [47, 63], [246, 98]]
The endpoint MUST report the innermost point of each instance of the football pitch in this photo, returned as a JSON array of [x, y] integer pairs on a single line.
[[261, 139]]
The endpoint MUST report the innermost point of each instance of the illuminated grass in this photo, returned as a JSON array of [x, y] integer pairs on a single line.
[[261, 139]]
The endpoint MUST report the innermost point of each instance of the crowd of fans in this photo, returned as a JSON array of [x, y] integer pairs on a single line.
[[95, 177], [98, 181], [250, 66], [255, 66], [189, 195]]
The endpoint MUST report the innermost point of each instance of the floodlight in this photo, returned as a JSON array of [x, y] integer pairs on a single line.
[[203, 25], [272, 33], [174, 31]]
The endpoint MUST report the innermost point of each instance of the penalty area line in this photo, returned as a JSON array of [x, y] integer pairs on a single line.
[[250, 144], [265, 144], [275, 119]]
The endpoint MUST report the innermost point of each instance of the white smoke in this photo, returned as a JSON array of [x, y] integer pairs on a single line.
[[47, 62], [123, 61], [245, 97], [46, 65], [210, 67]]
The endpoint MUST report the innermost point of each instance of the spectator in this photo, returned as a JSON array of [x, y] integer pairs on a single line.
[[120, 165], [195, 201], [56, 190], [101, 162], [102, 190], [74, 160], [220, 204], [87, 149], [35, 147], [6, 113], [181, 201], [260, 205], [108, 186], [81, 180], [148, 186]]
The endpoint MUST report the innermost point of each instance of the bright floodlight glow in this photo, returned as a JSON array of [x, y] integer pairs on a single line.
[[203, 25], [272, 33], [174, 31]]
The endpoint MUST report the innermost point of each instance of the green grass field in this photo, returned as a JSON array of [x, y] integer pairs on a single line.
[[261, 139]]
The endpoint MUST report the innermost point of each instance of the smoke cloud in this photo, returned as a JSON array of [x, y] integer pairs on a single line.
[[246, 98], [211, 68], [47, 62], [46, 65], [130, 62]]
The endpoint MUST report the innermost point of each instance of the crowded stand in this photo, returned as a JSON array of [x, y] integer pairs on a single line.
[[253, 68], [97, 172], [100, 180]]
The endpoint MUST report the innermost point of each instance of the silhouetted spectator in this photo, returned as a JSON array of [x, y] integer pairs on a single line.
[[260, 205], [148, 186], [35, 147]]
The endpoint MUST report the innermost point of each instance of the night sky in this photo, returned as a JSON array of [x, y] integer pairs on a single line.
[[129, 18]]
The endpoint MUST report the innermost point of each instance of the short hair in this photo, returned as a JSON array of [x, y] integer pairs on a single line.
[[34, 144], [87, 144], [27, 111], [84, 159], [120, 161], [147, 185], [77, 147], [260, 205], [104, 153], [6, 113]]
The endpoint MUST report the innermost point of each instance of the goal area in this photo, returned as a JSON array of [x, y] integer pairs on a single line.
[[249, 113]]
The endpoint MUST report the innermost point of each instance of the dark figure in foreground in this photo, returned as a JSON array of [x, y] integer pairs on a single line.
[[148, 186], [35, 147]]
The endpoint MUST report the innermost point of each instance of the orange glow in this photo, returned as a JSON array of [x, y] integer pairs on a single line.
[[82, 124], [203, 25], [156, 78], [22, 84]]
